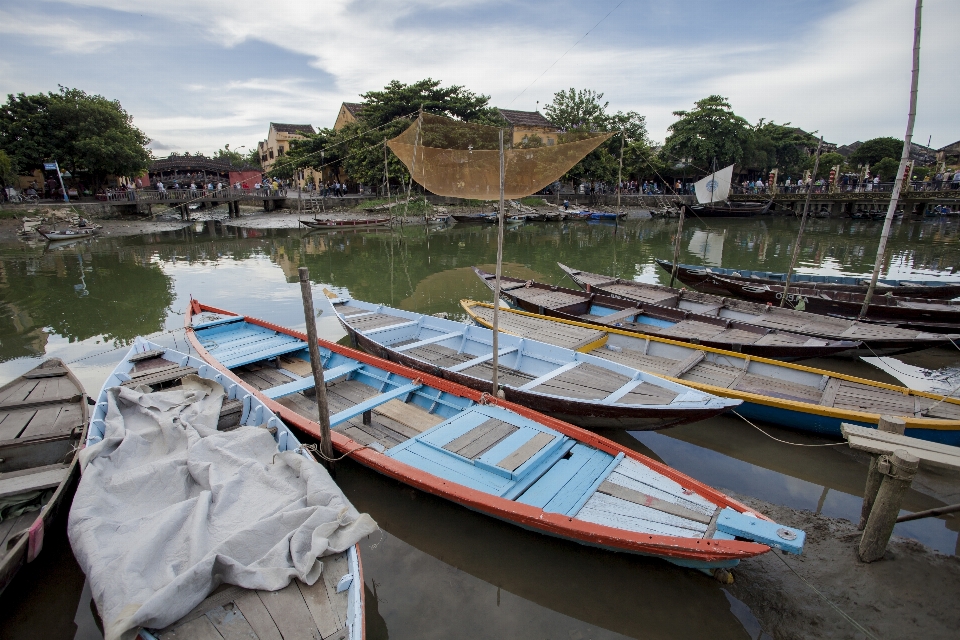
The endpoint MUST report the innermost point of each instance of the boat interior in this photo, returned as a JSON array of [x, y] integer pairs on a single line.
[[42, 420], [479, 446], [735, 371]]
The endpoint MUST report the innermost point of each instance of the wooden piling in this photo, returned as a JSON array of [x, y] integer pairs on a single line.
[[326, 444], [890, 424], [898, 471]]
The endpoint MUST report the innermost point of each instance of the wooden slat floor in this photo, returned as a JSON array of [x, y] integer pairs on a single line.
[[375, 321], [296, 612], [546, 299], [561, 335]]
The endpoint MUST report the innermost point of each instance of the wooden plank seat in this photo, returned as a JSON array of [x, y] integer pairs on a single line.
[[641, 295], [619, 316], [39, 391], [165, 376], [481, 439], [587, 381], [439, 355], [145, 355], [36, 479], [296, 612], [546, 299], [375, 321], [421, 343], [349, 310], [272, 348], [307, 382], [656, 365], [561, 335]]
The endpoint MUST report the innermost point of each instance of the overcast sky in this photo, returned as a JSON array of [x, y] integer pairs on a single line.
[[197, 75]]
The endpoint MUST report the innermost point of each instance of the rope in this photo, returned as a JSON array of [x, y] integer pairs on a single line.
[[942, 399], [827, 600], [795, 444], [328, 459]]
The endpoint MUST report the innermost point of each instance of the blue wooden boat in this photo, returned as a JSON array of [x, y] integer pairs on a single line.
[[599, 215], [782, 393], [485, 453], [559, 381], [336, 599]]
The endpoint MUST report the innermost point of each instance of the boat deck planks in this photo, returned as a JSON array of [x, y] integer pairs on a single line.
[[480, 439], [376, 321], [298, 611], [561, 335]]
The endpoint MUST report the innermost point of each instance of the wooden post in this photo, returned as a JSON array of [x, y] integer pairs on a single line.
[[386, 168], [620, 174], [676, 246], [898, 471], [496, 288], [326, 445], [803, 224], [890, 424], [904, 161]]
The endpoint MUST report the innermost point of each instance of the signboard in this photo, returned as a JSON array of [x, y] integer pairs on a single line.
[[50, 166]]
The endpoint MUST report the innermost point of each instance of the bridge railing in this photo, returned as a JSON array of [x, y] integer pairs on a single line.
[[186, 195]]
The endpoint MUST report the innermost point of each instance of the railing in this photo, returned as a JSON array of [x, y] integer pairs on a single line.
[[179, 195]]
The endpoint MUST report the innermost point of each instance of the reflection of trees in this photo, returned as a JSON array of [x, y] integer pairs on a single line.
[[80, 295]]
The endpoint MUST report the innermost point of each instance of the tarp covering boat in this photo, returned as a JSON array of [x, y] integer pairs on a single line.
[[168, 508]]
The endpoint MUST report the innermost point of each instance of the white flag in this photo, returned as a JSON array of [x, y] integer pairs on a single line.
[[715, 187]]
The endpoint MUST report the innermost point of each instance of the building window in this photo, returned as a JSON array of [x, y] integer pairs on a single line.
[[280, 151], [271, 154]]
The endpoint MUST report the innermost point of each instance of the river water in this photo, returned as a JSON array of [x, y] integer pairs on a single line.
[[438, 570]]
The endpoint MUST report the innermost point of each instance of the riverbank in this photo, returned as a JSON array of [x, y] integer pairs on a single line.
[[910, 593]]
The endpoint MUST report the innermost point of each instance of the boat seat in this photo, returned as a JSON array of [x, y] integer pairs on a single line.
[[36, 479], [307, 382], [619, 315], [571, 481]]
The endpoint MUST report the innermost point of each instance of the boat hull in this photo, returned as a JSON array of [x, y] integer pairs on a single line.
[[697, 276], [731, 210], [580, 414], [347, 224]]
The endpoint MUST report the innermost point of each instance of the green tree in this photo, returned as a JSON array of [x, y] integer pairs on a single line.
[[7, 176], [711, 130], [84, 133], [873, 151], [782, 146], [886, 168], [827, 162], [235, 158]]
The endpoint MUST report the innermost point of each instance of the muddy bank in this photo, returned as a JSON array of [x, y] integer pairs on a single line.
[[911, 593]]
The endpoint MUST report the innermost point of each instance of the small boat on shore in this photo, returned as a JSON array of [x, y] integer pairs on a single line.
[[233, 539], [876, 339], [67, 234], [476, 217], [440, 218], [43, 419], [698, 278], [781, 393], [345, 223], [684, 326], [602, 215], [487, 454], [558, 381], [922, 314]]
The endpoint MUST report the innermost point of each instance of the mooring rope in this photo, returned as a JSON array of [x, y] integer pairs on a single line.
[[795, 444]]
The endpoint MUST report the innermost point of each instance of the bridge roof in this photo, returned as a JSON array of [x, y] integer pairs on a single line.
[[192, 163]]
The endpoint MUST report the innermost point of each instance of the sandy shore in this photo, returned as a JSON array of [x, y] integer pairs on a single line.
[[911, 593]]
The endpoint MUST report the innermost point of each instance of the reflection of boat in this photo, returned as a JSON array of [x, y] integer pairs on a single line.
[[695, 276], [488, 454], [68, 234], [598, 215], [710, 331], [789, 395], [43, 416], [922, 314], [587, 391], [253, 440], [885, 340], [343, 223]]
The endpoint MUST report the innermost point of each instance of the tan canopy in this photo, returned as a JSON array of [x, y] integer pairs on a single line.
[[461, 159]]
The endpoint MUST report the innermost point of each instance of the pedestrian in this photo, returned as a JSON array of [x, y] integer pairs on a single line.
[[956, 180]]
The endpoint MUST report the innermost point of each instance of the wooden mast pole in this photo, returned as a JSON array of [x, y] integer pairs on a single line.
[[620, 174], [904, 160], [326, 445], [386, 170], [676, 245], [496, 289], [803, 223]]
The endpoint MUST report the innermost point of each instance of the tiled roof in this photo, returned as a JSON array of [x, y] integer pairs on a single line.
[[525, 118], [353, 107], [292, 128]]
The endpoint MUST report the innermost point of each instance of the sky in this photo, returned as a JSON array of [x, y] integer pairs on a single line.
[[197, 75]]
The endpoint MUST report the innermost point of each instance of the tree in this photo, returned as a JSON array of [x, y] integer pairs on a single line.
[[772, 145], [574, 110], [84, 133], [711, 130], [827, 162], [886, 168], [873, 151], [235, 158], [7, 175]]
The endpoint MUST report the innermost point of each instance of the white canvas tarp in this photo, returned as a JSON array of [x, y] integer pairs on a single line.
[[168, 508], [715, 187]]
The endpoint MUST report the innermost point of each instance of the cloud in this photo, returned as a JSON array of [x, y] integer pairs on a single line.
[[227, 69], [60, 34]]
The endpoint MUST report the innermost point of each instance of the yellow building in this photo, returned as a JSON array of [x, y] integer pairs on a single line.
[[278, 142], [348, 113], [526, 124]]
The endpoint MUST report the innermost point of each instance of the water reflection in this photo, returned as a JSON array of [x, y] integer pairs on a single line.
[[440, 569]]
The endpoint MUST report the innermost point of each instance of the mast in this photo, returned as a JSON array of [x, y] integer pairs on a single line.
[[620, 174], [413, 162], [904, 160], [496, 290], [803, 223], [676, 246], [386, 170]]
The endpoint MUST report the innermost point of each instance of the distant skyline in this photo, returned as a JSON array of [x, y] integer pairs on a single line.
[[196, 76]]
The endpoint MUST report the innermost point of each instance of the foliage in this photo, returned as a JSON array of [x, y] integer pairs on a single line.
[[770, 145], [234, 158], [886, 169], [873, 151], [919, 173], [357, 149], [82, 132], [710, 131], [252, 159], [827, 162], [579, 111], [6, 170]]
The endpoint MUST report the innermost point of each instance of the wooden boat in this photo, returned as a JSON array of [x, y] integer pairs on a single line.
[[43, 418], [921, 314], [439, 218], [684, 326], [67, 234], [487, 454], [600, 215], [340, 223], [878, 340], [696, 277], [786, 394], [729, 209], [558, 381], [476, 217], [333, 607]]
